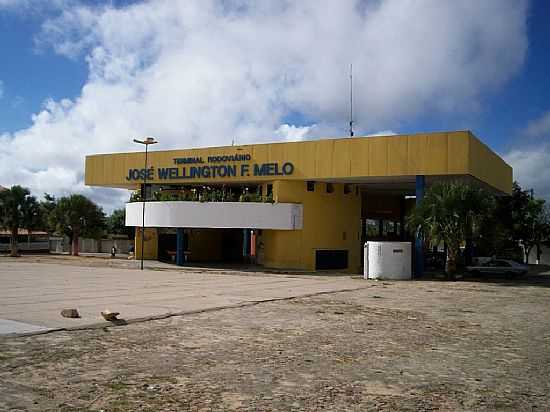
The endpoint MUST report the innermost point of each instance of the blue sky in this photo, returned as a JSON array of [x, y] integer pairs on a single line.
[[115, 48], [31, 75], [526, 96]]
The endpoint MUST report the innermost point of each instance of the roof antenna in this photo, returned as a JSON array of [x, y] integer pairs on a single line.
[[351, 100]]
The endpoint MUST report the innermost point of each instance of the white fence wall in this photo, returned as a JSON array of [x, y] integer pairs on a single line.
[[26, 247], [63, 245]]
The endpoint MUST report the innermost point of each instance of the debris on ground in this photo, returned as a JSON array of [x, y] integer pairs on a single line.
[[70, 313], [109, 316]]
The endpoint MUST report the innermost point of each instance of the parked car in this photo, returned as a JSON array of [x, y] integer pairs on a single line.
[[499, 266]]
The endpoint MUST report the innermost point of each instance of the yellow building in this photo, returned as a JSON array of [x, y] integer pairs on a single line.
[[306, 205]]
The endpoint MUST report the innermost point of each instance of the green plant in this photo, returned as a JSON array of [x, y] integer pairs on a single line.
[[135, 196], [230, 197], [269, 198], [245, 197]]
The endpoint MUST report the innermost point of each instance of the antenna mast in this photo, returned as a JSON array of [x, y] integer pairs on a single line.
[[351, 100]]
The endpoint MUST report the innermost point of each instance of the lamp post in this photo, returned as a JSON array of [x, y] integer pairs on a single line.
[[147, 141]]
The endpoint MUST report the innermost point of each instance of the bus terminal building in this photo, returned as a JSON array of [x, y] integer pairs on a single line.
[[307, 205]]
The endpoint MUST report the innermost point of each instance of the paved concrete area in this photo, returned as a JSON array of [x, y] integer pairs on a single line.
[[35, 293], [11, 326]]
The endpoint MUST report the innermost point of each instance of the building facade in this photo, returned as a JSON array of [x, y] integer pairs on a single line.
[[306, 205]]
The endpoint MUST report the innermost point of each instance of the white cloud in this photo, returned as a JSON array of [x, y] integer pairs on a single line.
[[529, 157], [539, 127], [383, 133], [531, 168], [197, 73], [294, 133]]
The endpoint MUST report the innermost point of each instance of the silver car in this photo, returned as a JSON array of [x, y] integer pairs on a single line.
[[499, 266]]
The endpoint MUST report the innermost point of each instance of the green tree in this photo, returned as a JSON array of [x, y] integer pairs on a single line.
[[523, 218], [76, 216], [530, 225], [544, 227], [46, 211], [449, 213], [18, 209], [116, 224]]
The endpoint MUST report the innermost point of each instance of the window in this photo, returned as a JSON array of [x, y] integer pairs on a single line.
[[330, 188], [501, 263], [311, 186], [371, 228], [348, 189], [269, 189], [331, 259]]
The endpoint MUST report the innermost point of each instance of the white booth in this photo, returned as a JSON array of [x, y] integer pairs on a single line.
[[388, 260]]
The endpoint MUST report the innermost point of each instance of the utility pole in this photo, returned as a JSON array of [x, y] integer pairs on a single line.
[[351, 100], [146, 142]]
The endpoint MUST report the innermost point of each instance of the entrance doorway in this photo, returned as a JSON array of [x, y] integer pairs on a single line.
[[383, 216]]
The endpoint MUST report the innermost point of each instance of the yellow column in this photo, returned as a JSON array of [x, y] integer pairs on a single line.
[[150, 245]]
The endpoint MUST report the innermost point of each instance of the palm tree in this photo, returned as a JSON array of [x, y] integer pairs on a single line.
[[18, 209], [449, 213]]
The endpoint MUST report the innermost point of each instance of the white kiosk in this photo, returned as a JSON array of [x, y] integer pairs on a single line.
[[388, 260]]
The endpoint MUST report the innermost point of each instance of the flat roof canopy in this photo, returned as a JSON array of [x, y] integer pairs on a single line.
[[363, 160]]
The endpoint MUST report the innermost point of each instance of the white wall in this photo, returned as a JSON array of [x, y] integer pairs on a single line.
[[26, 247], [249, 215]]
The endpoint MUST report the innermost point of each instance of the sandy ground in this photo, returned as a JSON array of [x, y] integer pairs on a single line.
[[394, 346]]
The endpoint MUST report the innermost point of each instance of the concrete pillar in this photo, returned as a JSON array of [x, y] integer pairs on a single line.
[[180, 249], [419, 241]]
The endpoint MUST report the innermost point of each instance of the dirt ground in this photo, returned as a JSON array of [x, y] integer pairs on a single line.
[[394, 346]]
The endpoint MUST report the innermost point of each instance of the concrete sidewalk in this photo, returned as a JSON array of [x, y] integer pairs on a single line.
[[35, 293]]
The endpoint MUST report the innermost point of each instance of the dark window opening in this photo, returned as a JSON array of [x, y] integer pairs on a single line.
[[348, 189], [330, 188], [311, 186], [269, 189], [331, 259]]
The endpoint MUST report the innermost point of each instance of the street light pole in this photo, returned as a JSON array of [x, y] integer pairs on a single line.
[[147, 141]]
